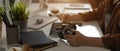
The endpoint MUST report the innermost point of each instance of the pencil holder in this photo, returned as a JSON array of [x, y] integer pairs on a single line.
[[1, 27], [13, 34]]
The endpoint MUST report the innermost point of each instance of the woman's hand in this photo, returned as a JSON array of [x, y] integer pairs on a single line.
[[67, 18], [76, 40], [26, 47], [86, 16], [64, 17]]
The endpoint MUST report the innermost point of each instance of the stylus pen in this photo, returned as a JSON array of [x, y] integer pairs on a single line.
[[63, 15]]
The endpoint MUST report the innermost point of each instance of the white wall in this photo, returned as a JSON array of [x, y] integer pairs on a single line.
[[26, 2], [1, 2], [16, 1]]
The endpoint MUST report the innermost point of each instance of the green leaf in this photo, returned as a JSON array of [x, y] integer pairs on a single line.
[[1, 9], [19, 12]]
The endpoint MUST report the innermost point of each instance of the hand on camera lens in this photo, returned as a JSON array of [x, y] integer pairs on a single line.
[[75, 40]]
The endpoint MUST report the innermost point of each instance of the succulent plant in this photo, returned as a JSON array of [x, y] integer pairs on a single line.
[[19, 12]]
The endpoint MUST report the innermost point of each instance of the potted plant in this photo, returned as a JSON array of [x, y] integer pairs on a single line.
[[20, 16]]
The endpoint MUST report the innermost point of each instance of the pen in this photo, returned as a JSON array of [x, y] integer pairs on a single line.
[[7, 16], [63, 15], [4, 18]]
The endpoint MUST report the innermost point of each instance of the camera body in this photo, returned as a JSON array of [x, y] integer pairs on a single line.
[[65, 29]]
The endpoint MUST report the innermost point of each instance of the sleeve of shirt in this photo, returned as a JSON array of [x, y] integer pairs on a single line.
[[108, 41], [111, 41]]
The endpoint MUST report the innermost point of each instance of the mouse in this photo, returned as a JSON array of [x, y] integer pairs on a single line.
[[39, 21]]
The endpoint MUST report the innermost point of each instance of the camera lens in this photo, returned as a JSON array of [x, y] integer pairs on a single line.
[[60, 32], [70, 32]]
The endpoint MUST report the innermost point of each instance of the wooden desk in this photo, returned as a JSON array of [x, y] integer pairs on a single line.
[[61, 45]]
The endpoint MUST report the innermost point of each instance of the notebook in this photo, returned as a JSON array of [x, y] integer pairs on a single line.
[[37, 40], [32, 24]]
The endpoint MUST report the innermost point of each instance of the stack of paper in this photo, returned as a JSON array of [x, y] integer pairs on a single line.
[[32, 23]]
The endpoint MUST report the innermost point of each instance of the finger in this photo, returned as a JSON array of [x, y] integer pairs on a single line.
[[68, 36], [64, 18], [75, 45], [60, 16], [25, 47], [72, 43], [29, 48], [66, 21], [76, 32], [70, 40]]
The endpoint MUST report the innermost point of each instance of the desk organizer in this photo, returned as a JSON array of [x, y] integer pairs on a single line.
[[0, 27], [13, 34]]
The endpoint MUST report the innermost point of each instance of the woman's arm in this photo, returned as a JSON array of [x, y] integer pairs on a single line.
[[80, 40], [87, 16], [94, 41]]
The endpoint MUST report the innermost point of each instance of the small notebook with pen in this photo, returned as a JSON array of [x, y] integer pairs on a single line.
[[46, 20], [37, 40]]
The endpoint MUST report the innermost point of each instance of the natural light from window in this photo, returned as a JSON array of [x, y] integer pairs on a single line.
[[89, 31]]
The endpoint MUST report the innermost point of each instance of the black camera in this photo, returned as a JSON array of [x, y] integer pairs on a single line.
[[65, 29]]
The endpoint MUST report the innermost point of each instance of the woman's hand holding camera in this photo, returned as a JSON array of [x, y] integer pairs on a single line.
[[76, 40]]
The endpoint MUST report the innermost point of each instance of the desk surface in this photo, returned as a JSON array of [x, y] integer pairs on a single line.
[[61, 45]]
